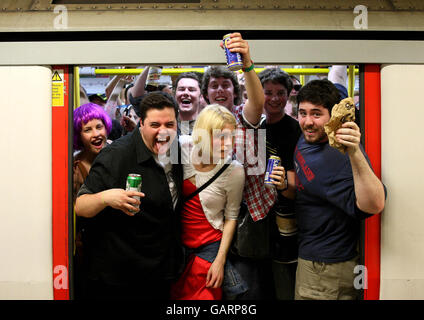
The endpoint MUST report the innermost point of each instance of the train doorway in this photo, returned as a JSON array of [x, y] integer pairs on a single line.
[[356, 77]]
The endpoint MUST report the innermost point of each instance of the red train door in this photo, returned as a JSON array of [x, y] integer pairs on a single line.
[[372, 141], [61, 180]]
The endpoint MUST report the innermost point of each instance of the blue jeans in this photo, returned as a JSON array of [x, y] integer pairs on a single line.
[[259, 278], [233, 283]]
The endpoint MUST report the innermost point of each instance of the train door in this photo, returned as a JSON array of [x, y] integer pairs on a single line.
[[62, 208], [369, 271], [64, 99]]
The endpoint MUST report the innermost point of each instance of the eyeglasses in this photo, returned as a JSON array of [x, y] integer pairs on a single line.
[[297, 87]]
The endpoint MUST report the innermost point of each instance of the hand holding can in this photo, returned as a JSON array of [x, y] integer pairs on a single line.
[[273, 161], [120, 199], [234, 60], [235, 44], [134, 183], [279, 178]]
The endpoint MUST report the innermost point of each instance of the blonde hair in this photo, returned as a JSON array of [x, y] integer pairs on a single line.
[[213, 117]]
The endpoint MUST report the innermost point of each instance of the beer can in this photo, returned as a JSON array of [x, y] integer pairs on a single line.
[[273, 162], [234, 61], [134, 184]]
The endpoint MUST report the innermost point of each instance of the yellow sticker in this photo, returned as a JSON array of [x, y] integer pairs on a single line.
[[58, 93]]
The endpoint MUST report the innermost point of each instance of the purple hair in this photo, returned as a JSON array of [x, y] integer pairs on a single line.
[[86, 113]]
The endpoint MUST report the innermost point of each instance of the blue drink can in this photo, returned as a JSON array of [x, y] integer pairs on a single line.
[[273, 161], [234, 61]]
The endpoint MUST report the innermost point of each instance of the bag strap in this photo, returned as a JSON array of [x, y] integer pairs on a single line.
[[84, 171], [206, 184]]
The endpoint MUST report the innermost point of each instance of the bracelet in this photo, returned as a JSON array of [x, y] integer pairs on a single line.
[[103, 200], [286, 182], [252, 66]]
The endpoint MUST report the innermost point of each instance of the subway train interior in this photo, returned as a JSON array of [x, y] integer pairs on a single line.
[[48, 48]]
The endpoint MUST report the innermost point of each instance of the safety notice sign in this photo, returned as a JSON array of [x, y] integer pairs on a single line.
[[58, 93]]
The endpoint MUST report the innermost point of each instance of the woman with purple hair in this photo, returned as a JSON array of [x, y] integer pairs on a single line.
[[92, 125]]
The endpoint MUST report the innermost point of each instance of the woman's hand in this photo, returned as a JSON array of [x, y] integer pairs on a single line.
[[215, 275]]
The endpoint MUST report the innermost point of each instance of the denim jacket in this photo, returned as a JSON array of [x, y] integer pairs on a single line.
[[233, 283]]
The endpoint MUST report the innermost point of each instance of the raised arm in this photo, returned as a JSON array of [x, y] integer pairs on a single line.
[[113, 96], [138, 89], [254, 105], [369, 190], [111, 84]]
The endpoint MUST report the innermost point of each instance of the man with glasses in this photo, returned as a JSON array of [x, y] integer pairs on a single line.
[[291, 106]]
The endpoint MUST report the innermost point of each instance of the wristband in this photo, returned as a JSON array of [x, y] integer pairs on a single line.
[[252, 66], [103, 200], [286, 183]]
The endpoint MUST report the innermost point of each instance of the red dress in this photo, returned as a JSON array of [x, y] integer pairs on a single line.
[[196, 231]]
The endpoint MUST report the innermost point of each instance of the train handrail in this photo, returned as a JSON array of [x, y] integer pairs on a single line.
[[176, 71], [351, 72], [76, 87]]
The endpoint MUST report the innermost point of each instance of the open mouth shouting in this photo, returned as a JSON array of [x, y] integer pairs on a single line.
[[223, 101], [159, 129], [162, 142], [220, 99], [93, 135], [97, 144], [185, 103]]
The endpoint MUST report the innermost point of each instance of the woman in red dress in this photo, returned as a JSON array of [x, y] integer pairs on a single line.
[[209, 219]]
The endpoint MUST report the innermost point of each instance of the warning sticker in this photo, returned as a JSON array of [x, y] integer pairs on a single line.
[[58, 93], [56, 76]]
